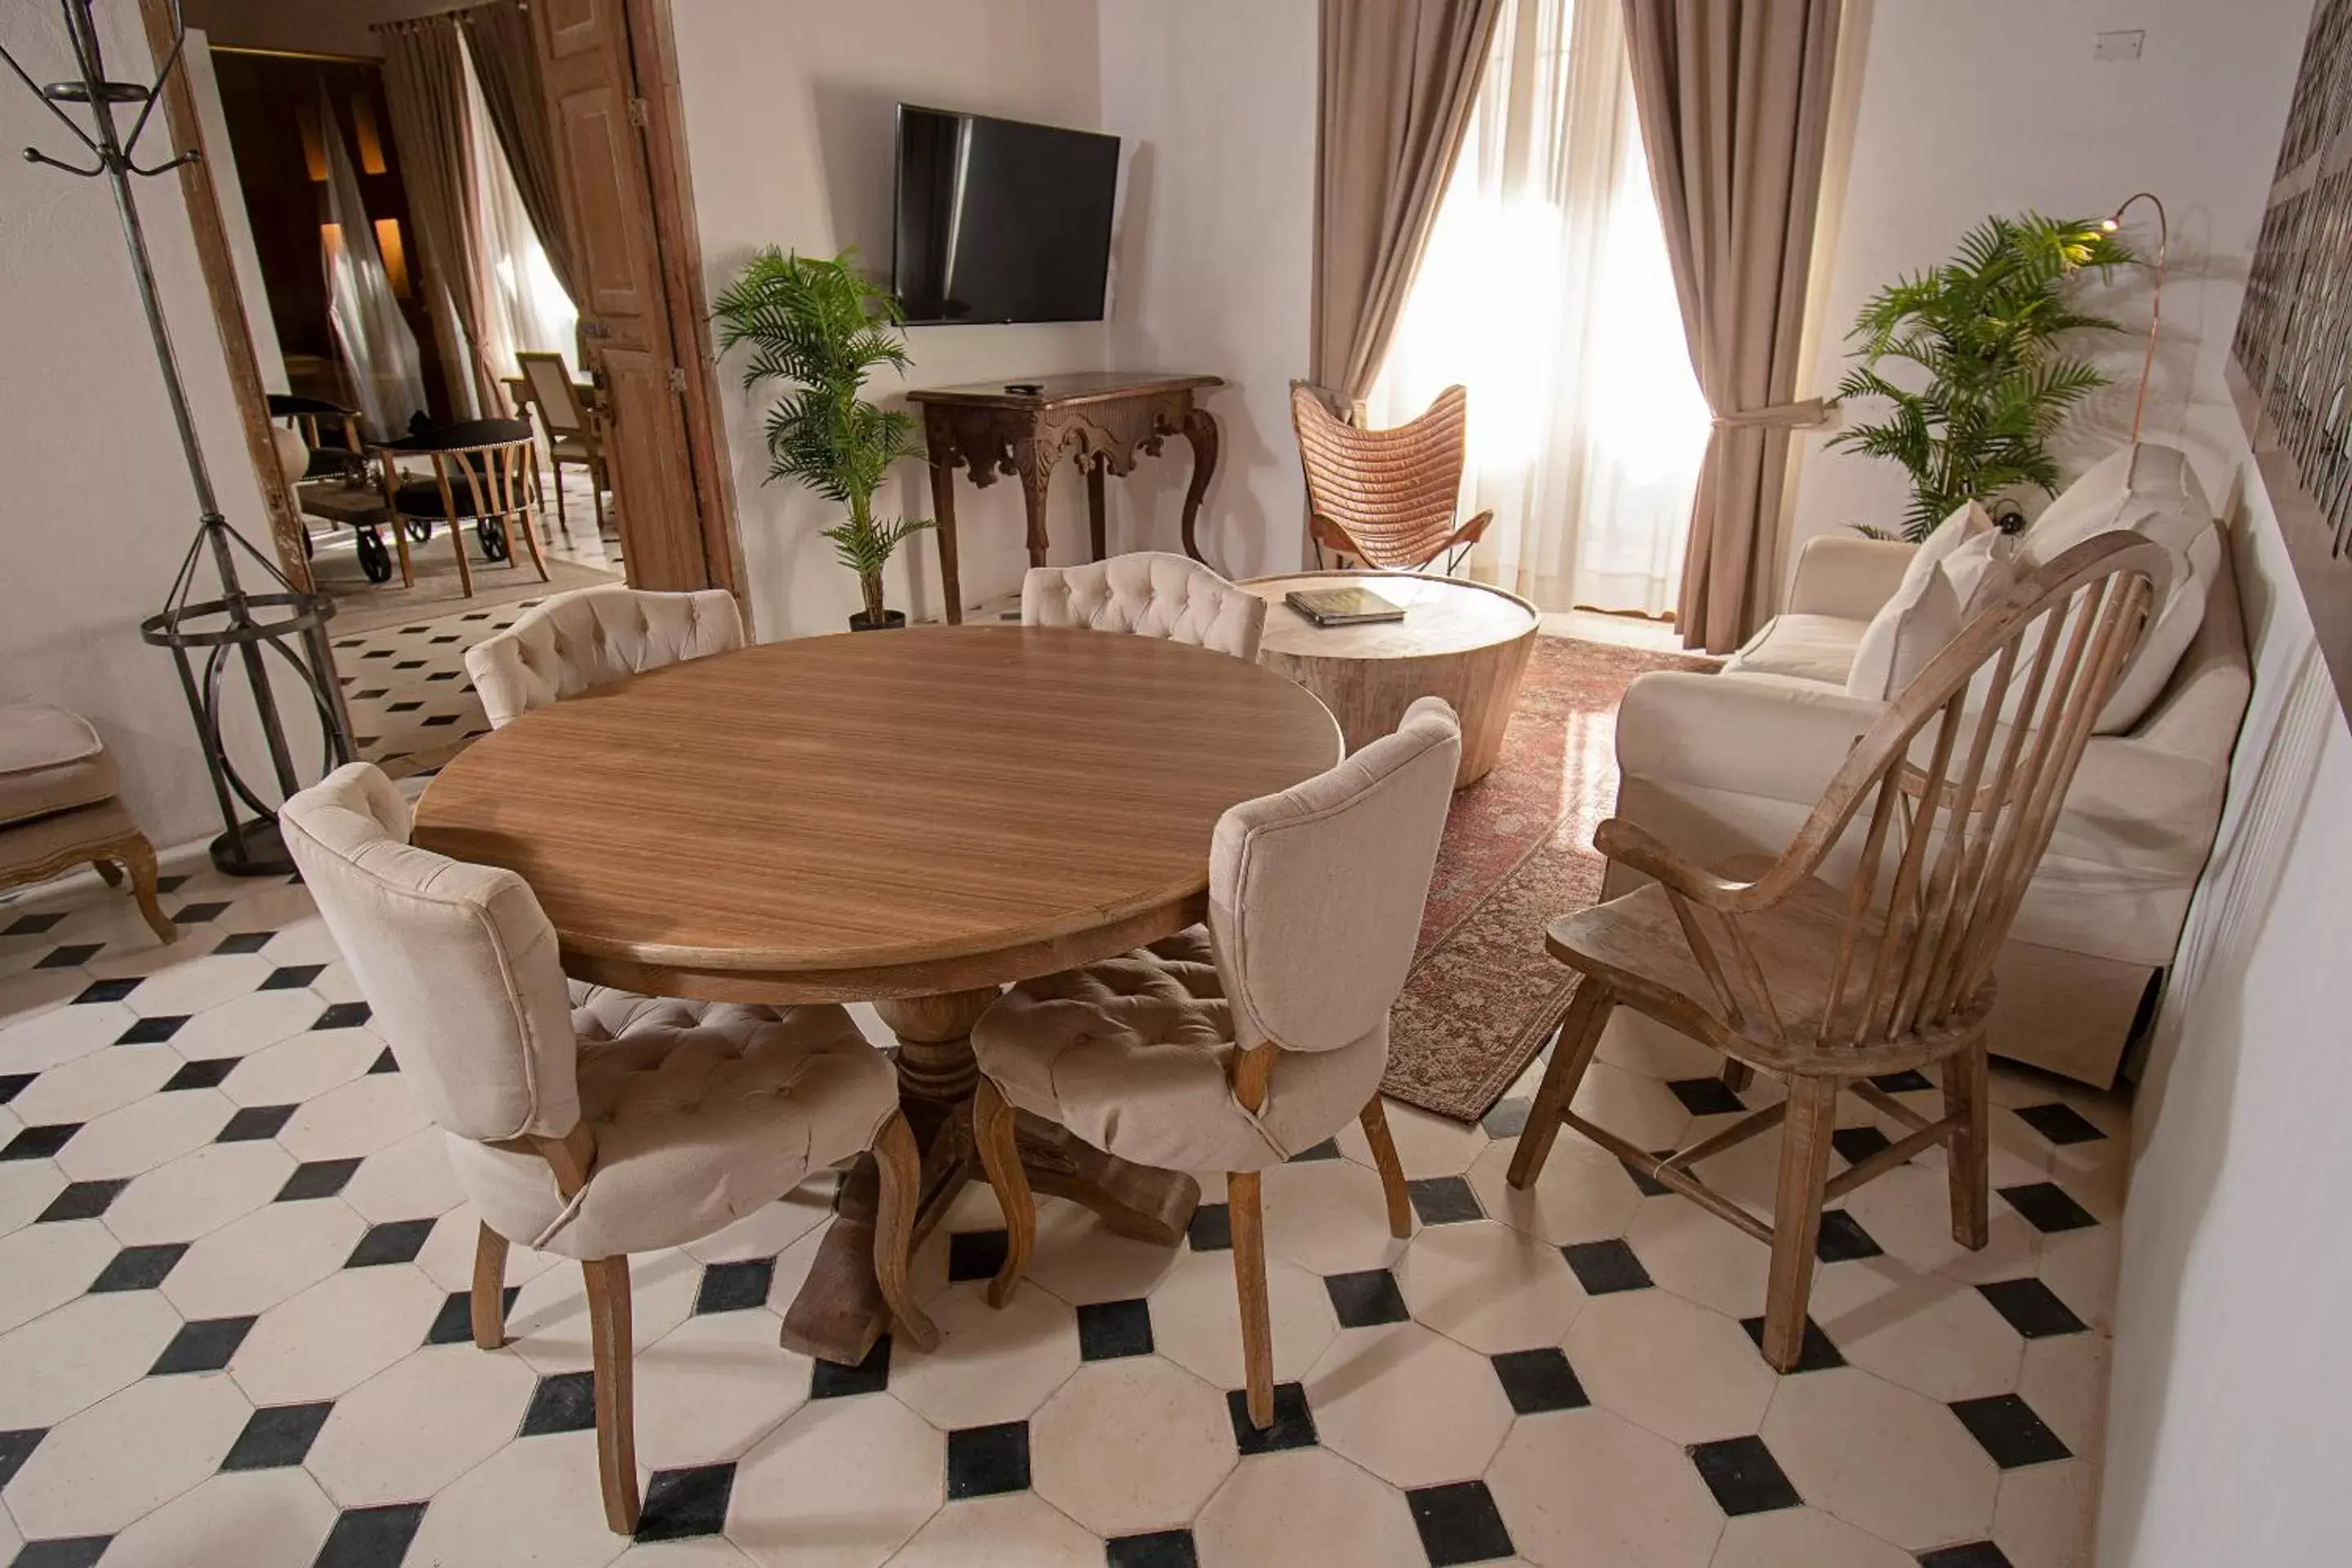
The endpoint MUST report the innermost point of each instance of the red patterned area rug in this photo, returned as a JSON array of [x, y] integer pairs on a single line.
[[1484, 995]]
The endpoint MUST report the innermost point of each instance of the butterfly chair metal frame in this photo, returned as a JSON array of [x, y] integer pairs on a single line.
[[497, 476], [1387, 498], [1823, 985]]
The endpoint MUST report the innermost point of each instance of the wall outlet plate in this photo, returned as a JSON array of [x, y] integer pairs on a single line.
[[2124, 46]]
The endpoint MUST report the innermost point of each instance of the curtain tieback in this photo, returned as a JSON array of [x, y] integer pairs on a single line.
[[1776, 416]]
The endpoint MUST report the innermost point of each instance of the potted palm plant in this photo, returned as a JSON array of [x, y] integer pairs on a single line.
[[1984, 381], [822, 327]]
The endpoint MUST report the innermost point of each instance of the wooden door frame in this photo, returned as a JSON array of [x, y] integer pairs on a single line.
[[677, 243]]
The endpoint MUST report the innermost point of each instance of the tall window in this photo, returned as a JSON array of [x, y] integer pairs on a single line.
[[1545, 289]]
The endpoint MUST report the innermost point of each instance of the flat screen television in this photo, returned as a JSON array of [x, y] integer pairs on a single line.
[[1001, 221]]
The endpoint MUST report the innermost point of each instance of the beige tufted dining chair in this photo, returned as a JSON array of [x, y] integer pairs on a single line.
[[584, 1121], [1151, 593], [574, 642], [1232, 1046]]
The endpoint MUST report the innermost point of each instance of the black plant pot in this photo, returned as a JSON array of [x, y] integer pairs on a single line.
[[891, 621]]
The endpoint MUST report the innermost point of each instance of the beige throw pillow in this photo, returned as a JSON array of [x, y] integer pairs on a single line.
[[1926, 609]]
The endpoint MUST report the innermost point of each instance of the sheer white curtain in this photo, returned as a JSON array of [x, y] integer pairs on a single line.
[[526, 307], [386, 371], [1545, 290]]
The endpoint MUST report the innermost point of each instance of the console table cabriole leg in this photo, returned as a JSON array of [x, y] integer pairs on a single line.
[[1200, 431], [944, 524]]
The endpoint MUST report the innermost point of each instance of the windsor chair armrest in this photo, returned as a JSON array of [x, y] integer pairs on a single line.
[[1636, 848]]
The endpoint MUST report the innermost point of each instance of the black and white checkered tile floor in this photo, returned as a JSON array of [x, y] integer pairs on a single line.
[[233, 1329]]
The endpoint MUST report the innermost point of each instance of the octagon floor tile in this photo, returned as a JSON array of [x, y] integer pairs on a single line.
[[1686, 1372], [1581, 1195], [992, 1365], [1587, 1487], [1490, 1287], [1131, 1445], [713, 1387], [356, 1120], [126, 1454], [1927, 1332], [246, 1026], [271, 1255], [1408, 1404], [335, 1335], [1017, 1530], [843, 1484], [44, 1266], [68, 1360], [2044, 1515], [534, 1500], [89, 1086], [1328, 1216], [1196, 1316], [142, 1136], [548, 1326], [1308, 1505], [1803, 1538], [301, 1067], [410, 1179], [414, 1427], [200, 1191], [1700, 1257], [1078, 1260], [255, 1518], [1886, 1460], [61, 1035]]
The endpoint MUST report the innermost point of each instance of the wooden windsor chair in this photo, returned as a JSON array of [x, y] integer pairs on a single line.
[[483, 472], [1823, 972], [1386, 497]]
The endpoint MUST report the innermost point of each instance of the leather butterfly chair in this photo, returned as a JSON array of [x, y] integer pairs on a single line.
[[1151, 593], [1386, 497], [576, 642], [1867, 946], [587, 1121]]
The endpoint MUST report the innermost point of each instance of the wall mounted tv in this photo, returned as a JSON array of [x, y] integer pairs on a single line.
[[1001, 221]]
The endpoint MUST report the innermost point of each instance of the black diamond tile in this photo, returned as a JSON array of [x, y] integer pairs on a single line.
[[2006, 1427], [1160, 1549], [17, 1446], [1648, 1184], [1294, 1424], [138, 1267], [206, 1074], [454, 1323], [1211, 1229], [66, 957], [2061, 1123], [437, 719], [403, 707], [152, 1031], [373, 691], [292, 977], [2047, 1208], [1326, 1150], [74, 1551], [1974, 1555], [451, 637], [1444, 1200], [1743, 1476], [203, 1345], [39, 1142], [975, 1254], [1843, 1239], [833, 1380], [343, 1015], [1707, 1097], [1605, 1267], [1109, 1329], [1366, 1298], [2032, 1308], [1538, 1380], [370, 1537], [1459, 1523], [84, 1200], [277, 1436], [170, 884], [564, 1402], [30, 925], [384, 1062], [410, 664], [985, 1460], [1509, 1119], [1910, 1080], [1814, 1354], [196, 914], [316, 1179], [252, 1124], [1855, 1144], [106, 991], [14, 1084], [394, 1241], [682, 1504], [735, 1287], [245, 942]]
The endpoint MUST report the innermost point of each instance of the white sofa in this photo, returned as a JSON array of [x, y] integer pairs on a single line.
[[1731, 763]]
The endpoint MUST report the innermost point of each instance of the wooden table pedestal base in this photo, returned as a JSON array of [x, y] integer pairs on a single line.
[[839, 1313]]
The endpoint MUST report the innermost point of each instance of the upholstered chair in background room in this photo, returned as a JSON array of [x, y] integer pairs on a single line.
[[1386, 497], [1867, 946], [584, 1122], [577, 641], [1151, 593], [1234, 1044]]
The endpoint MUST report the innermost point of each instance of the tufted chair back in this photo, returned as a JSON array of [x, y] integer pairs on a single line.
[[1151, 593], [579, 641], [458, 962], [1316, 894]]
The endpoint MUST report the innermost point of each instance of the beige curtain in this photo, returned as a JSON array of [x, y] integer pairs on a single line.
[[425, 85], [1397, 82], [1733, 97], [506, 60]]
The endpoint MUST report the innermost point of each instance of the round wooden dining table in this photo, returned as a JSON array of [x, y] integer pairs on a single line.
[[913, 818]]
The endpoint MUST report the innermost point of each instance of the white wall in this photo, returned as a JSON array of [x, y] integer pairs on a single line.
[[1996, 106], [790, 108], [97, 510], [1215, 253]]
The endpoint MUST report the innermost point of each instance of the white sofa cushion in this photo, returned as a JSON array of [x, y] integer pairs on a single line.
[[1800, 647], [2148, 489], [1924, 613]]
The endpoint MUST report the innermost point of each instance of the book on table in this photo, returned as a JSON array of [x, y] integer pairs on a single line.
[[1343, 606]]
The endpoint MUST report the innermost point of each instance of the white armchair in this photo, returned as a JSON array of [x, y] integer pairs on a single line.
[[577, 641], [1151, 593]]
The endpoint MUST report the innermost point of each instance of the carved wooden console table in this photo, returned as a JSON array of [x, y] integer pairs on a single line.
[[1103, 418]]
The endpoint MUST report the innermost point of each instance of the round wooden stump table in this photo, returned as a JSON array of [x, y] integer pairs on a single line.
[[1463, 641], [912, 818]]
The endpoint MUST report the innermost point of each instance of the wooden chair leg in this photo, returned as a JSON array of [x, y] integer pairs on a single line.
[[561, 519], [107, 872], [1580, 1036], [616, 1435], [465, 567], [1249, 1283], [487, 1299], [136, 857], [898, 1170], [992, 1129], [596, 490], [1375, 1120], [521, 522], [1966, 1088], [1797, 1215]]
